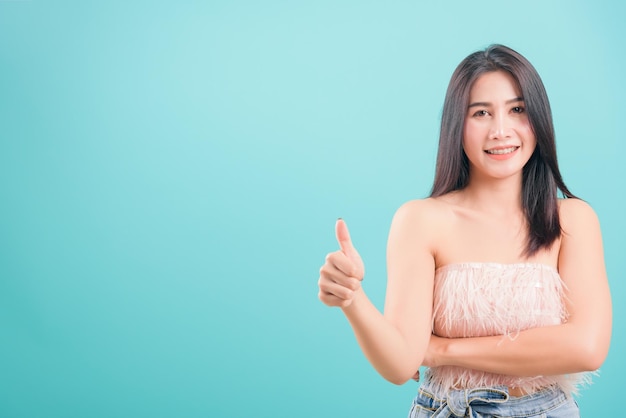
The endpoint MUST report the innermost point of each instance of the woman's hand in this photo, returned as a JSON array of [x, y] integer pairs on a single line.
[[433, 355], [341, 274]]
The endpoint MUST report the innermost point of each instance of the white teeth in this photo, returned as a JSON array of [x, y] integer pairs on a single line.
[[501, 151]]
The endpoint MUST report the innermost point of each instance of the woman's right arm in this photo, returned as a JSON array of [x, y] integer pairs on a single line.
[[394, 342]]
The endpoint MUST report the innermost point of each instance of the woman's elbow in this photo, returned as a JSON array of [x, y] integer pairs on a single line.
[[593, 353], [594, 360], [398, 379]]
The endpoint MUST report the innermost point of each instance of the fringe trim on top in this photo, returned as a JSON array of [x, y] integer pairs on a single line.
[[487, 299]]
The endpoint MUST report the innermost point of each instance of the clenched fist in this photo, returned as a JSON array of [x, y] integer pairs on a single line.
[[341, 274]]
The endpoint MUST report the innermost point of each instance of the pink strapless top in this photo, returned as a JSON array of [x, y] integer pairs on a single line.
[[487, 299]]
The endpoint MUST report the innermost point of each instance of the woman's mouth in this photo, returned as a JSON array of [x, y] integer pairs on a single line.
[[501, 151]]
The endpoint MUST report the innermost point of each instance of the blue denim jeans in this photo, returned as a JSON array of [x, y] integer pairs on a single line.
[[494, 402]]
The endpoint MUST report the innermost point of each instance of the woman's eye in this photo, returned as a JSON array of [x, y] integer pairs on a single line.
[[518, 109], [481, 113]]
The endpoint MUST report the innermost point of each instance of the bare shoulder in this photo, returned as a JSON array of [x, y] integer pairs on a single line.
[[427, 211], [576, 215], [428, 216], [414, 238]]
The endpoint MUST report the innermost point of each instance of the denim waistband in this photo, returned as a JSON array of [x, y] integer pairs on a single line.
[[490, 401]]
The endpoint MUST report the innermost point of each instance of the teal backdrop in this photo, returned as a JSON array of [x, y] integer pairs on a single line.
[[171, 172]]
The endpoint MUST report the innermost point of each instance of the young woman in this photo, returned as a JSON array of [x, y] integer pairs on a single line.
[[495, 283]]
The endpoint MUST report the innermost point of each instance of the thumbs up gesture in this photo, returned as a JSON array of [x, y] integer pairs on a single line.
[[341, 274]]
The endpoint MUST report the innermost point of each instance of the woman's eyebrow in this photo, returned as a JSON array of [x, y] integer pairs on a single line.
[[487, 104]]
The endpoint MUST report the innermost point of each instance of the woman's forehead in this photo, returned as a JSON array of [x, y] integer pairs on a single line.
[[495, 85]]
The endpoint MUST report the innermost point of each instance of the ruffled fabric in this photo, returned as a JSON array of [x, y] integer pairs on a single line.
[[487, 299]]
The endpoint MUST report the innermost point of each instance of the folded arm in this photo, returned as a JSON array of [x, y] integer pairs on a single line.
[[579, 345]]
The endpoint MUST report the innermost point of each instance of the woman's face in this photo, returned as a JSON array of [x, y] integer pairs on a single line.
[[497, 137]]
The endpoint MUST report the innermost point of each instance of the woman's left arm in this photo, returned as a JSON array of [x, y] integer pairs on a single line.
[[580, 344]]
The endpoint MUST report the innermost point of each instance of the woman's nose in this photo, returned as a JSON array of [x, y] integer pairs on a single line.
[[500, 129]]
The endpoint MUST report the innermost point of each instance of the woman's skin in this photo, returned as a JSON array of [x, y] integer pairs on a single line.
[[484, 222]]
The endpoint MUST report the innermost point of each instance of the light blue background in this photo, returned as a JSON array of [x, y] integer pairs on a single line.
[[171, 171]]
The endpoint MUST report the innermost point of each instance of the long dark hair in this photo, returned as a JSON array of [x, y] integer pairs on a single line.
[[541, 178]]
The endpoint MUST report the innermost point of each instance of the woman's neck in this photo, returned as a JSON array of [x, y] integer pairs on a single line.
[[500, 197]]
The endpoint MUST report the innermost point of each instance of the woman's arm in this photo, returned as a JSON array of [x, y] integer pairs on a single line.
[[396, 341], [579, 345]]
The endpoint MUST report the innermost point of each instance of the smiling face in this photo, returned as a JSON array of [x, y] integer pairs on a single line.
[[497, 137]]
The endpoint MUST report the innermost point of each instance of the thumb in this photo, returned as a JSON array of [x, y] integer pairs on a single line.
[[345, 243], [343, 238]]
